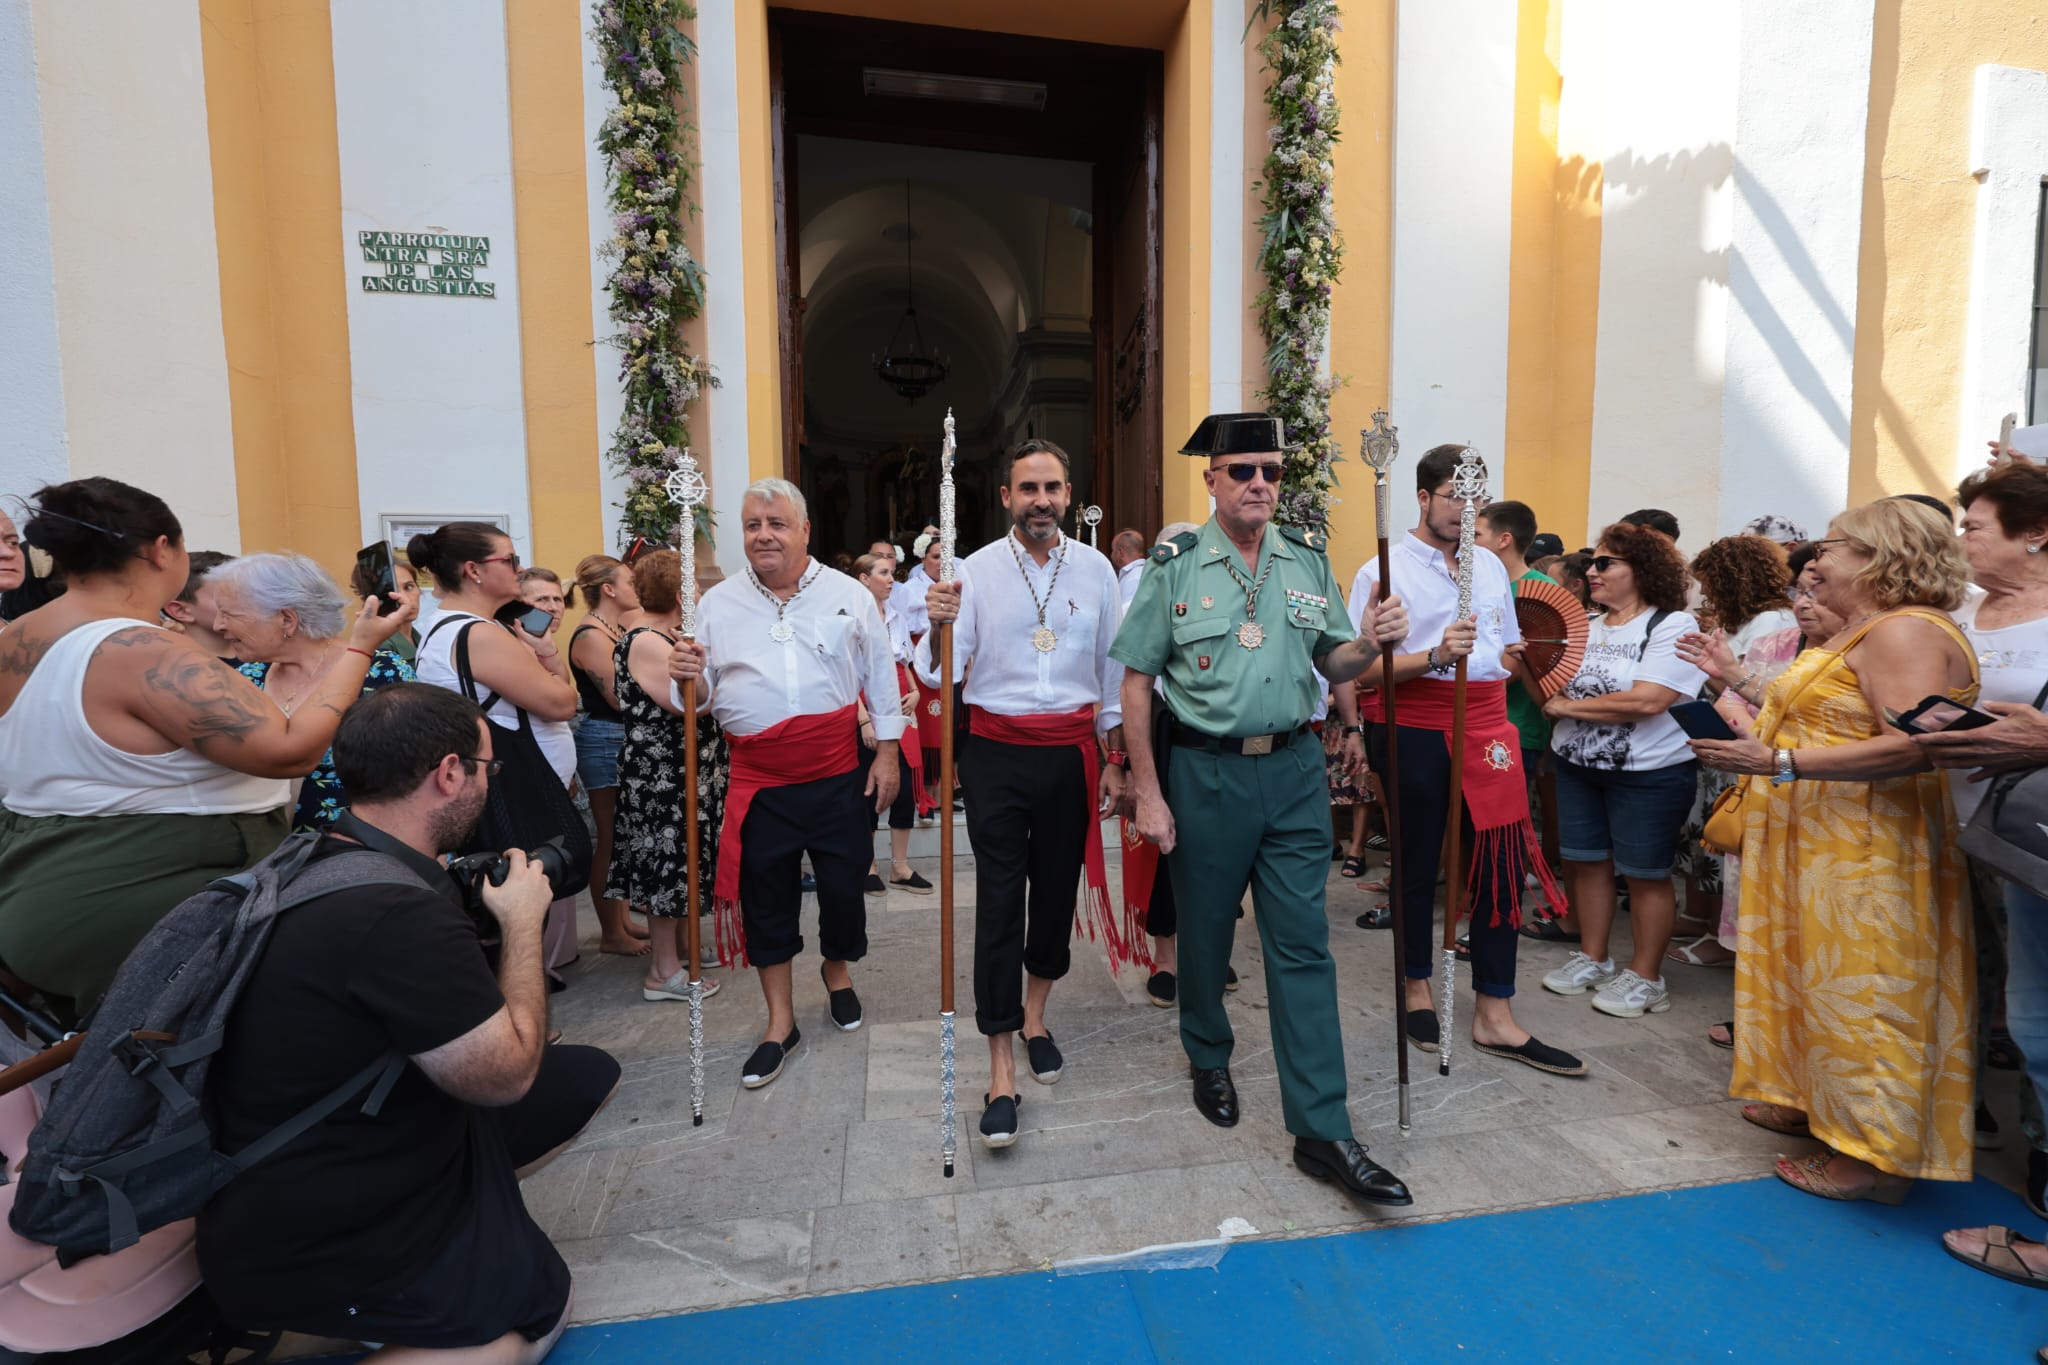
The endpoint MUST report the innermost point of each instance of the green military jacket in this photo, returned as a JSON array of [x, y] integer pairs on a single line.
[[1183, 627]]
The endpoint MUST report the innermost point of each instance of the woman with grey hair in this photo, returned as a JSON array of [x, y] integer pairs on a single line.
[[287, 621]]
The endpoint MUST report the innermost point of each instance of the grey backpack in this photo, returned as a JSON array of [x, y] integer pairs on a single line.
[[126, 1145]]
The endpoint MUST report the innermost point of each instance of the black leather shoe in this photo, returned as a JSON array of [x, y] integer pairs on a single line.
[[1345, 1162], [1215, 1095]]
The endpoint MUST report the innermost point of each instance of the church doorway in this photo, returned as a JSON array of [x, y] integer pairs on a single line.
[[987, 205]]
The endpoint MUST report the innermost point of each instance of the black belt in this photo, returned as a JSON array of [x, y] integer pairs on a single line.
[[1185, 738]]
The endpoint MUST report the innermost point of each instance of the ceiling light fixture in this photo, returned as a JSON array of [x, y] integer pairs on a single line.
[[932, 85], [905, 366]]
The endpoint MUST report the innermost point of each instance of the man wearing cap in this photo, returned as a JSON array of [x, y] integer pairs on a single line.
[[1237, 618]]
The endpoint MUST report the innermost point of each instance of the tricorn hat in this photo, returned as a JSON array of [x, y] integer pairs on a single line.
[[1237, 433]]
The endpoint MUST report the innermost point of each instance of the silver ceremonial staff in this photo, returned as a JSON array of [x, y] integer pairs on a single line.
[[947, 517], [1382, 446], [686, 488], [1468, 483]]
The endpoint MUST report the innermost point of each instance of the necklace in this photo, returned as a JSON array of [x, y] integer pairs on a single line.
[[1251, 634], [1042, 639], [782, 632], [313, 676]]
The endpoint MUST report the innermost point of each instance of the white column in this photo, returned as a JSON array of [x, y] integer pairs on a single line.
[[2009, 158], [133, 255], [31, 374], [1226, 208], [1454, 127], [1798, 229], [722, 416], [424, 111], [1670, 76]]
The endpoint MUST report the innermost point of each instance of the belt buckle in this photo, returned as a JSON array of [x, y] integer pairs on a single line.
[[1257, 744]]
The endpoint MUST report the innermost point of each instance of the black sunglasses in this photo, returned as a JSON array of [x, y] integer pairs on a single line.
[[491, 766], [1602, 563], [1244, 473]]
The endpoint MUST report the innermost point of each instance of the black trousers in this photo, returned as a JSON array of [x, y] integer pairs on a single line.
[[832, 821], [1027, 824], [1425, 812], [903, 813]]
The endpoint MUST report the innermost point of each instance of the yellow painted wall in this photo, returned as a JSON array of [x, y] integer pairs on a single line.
[[1184, 279], [1362, 305], [284, 310], [1919, 209], [551, 215], [756, 275]]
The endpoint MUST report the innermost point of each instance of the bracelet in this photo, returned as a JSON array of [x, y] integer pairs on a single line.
[[1430, 659], [1354, 729], [364, 652]]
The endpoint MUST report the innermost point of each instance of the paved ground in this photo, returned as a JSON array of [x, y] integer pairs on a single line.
[[829, 1179]]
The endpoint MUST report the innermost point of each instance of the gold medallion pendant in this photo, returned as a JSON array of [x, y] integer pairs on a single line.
[[1251, 635], [1044, 641]]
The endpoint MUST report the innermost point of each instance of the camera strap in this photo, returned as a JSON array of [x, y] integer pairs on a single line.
[[429, 870]]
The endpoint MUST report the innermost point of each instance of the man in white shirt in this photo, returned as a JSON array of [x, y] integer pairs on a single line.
[[1499, 841], [1127, 557], [786, 650], [1034, 620]]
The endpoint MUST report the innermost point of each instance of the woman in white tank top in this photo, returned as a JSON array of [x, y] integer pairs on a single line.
[[134, 767]]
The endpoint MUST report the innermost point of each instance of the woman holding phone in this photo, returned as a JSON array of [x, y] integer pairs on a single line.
[[1855, 980]]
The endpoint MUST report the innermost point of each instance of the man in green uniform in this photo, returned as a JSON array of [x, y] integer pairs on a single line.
[[1236, 618]]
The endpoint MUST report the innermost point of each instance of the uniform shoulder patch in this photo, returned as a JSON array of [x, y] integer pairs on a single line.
[[1167, 549], [1315, 540]]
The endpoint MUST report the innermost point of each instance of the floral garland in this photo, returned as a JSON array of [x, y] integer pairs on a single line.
[[656, 285], [1300, 254]]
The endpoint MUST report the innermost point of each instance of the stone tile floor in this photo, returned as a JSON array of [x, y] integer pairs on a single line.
[[830, 1179]]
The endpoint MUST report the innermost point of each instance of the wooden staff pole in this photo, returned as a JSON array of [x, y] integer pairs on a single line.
[[1382, 446]]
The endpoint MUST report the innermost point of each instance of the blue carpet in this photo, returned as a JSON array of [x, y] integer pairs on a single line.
[[1748, 1272]]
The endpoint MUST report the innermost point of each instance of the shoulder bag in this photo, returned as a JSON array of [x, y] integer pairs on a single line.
[[2009, 832]]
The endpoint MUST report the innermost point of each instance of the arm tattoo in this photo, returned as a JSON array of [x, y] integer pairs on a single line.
[[203, 694]]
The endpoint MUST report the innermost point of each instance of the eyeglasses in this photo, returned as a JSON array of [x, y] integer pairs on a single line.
[[512, 560], [1602, 563], [1244, 473], [1480, 497], [1820, 547], [491, 766]]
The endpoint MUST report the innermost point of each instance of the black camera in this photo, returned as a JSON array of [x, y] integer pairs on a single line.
[[473, 872]]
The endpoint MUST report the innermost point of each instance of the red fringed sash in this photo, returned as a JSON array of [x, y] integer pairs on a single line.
[[1496, 788], [913, 750], [800, 749], [1121, 943]]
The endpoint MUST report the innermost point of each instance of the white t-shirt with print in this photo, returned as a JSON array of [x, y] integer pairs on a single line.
[[2013, 661], [1617, 658]]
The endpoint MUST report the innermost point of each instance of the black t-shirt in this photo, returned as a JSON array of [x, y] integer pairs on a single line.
[[356, 1201]]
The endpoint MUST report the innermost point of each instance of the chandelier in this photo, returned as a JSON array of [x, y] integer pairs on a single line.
[[906, 366]]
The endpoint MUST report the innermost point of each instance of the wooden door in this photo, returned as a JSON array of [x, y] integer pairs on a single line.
[[788, 273], [1127, 322]]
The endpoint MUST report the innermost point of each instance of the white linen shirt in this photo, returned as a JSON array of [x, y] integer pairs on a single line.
[[1424, 583], [840, 649], [1127, 579], [992, 638], [909, 594]]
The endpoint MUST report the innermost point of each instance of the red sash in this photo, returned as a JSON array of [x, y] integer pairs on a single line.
[[1496, 786], [913, 748], [1076, 728], [801, 749]]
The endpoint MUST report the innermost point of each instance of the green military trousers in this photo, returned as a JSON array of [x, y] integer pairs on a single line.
[[1263, 820]]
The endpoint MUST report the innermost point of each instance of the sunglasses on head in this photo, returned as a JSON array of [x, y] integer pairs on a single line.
[[1602, 563], [1245, 473]]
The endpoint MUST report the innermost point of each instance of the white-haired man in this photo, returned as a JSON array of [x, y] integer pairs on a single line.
[[787, 649]]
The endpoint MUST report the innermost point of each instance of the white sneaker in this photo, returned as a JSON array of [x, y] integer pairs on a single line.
[[1578, 974], [1629, 996]]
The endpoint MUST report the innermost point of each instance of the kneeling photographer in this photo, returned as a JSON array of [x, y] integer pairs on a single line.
[[405, 1228]]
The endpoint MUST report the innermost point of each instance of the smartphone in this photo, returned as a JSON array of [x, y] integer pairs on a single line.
[[380, 569], [1936, 714], [535, 621], [1700, 720]]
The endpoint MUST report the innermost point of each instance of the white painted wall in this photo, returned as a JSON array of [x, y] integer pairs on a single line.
[[425, 137], [31, 377], [1670, 79], [2009, 157], [1226, 207], [721, 418], [1797, 230], [1454, 125], [132, 253]]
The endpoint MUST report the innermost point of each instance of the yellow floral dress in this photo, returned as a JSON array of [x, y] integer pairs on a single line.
[[1855, 988]]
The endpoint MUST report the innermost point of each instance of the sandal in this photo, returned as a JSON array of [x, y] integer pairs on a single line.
[[1999, 1257], [1810, 1176], [1379, 917], [1545, 928], [1690, 953], [1376, 888], [1772, 1117], [1354, 866], [1723, 1035]]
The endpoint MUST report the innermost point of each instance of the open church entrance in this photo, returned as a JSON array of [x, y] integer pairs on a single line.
[[983, 209]]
